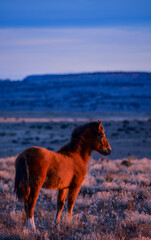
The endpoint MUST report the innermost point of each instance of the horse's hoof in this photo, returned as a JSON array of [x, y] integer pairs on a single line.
[[56, 224], [30, 224]]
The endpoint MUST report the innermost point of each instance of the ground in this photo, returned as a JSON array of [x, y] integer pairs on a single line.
[[115, 199]]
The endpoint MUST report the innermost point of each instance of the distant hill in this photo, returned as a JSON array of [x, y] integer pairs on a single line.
[[87, 92]]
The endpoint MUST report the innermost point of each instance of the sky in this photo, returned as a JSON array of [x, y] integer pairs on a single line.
[[68, 36]]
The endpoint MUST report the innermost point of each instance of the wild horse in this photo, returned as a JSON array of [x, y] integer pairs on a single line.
[[64, 170]]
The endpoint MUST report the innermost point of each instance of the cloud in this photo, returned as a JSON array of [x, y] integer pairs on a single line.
[[25, 51]]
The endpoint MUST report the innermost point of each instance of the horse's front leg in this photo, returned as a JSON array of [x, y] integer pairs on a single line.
[[60, 203], [73, 192]]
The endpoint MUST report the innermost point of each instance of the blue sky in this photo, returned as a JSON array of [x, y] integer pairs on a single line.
[[64, 36]]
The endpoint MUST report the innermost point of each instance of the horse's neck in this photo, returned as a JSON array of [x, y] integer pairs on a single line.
[[86, 156], [81, 149], [84, 150]]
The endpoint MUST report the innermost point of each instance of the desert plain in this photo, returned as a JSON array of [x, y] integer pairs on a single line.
[[114, 201]]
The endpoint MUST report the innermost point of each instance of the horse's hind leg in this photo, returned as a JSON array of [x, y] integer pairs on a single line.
[[60, 203], [30, 204]]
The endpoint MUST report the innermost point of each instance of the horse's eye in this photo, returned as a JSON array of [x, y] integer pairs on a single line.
[[100, 137]]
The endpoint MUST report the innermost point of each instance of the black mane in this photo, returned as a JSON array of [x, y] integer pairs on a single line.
[[76, 136], [79, 130]]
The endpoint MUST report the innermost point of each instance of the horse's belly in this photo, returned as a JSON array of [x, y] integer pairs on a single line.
[[55, 181]]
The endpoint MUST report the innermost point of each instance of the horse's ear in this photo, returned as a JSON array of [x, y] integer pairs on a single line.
[[100, 124]]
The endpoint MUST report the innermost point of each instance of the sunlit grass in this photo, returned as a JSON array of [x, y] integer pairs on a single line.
[[114, 203]]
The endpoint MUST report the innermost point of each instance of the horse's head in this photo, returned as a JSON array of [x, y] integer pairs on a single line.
[[101, 144]]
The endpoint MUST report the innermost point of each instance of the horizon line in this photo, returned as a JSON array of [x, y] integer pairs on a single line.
[[78, 73]]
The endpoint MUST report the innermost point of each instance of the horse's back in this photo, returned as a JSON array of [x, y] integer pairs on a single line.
[[56, 168]]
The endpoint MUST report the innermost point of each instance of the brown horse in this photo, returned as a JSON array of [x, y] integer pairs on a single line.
[[64, 170]]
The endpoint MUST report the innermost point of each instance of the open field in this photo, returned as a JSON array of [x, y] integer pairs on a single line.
[[113, 203], [127, 137], [115, 199]]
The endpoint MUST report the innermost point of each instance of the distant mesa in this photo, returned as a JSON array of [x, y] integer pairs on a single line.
[[84, 76], [82, 92]]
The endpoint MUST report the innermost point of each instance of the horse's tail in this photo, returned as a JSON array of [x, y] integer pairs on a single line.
[[21, 178]]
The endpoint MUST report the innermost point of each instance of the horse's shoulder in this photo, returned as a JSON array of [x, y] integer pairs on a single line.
[[79, 165]]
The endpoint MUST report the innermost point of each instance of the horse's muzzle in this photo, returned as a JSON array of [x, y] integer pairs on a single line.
[[107, 151]]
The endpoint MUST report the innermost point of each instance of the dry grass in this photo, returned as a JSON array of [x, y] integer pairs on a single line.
[[113, 203]]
